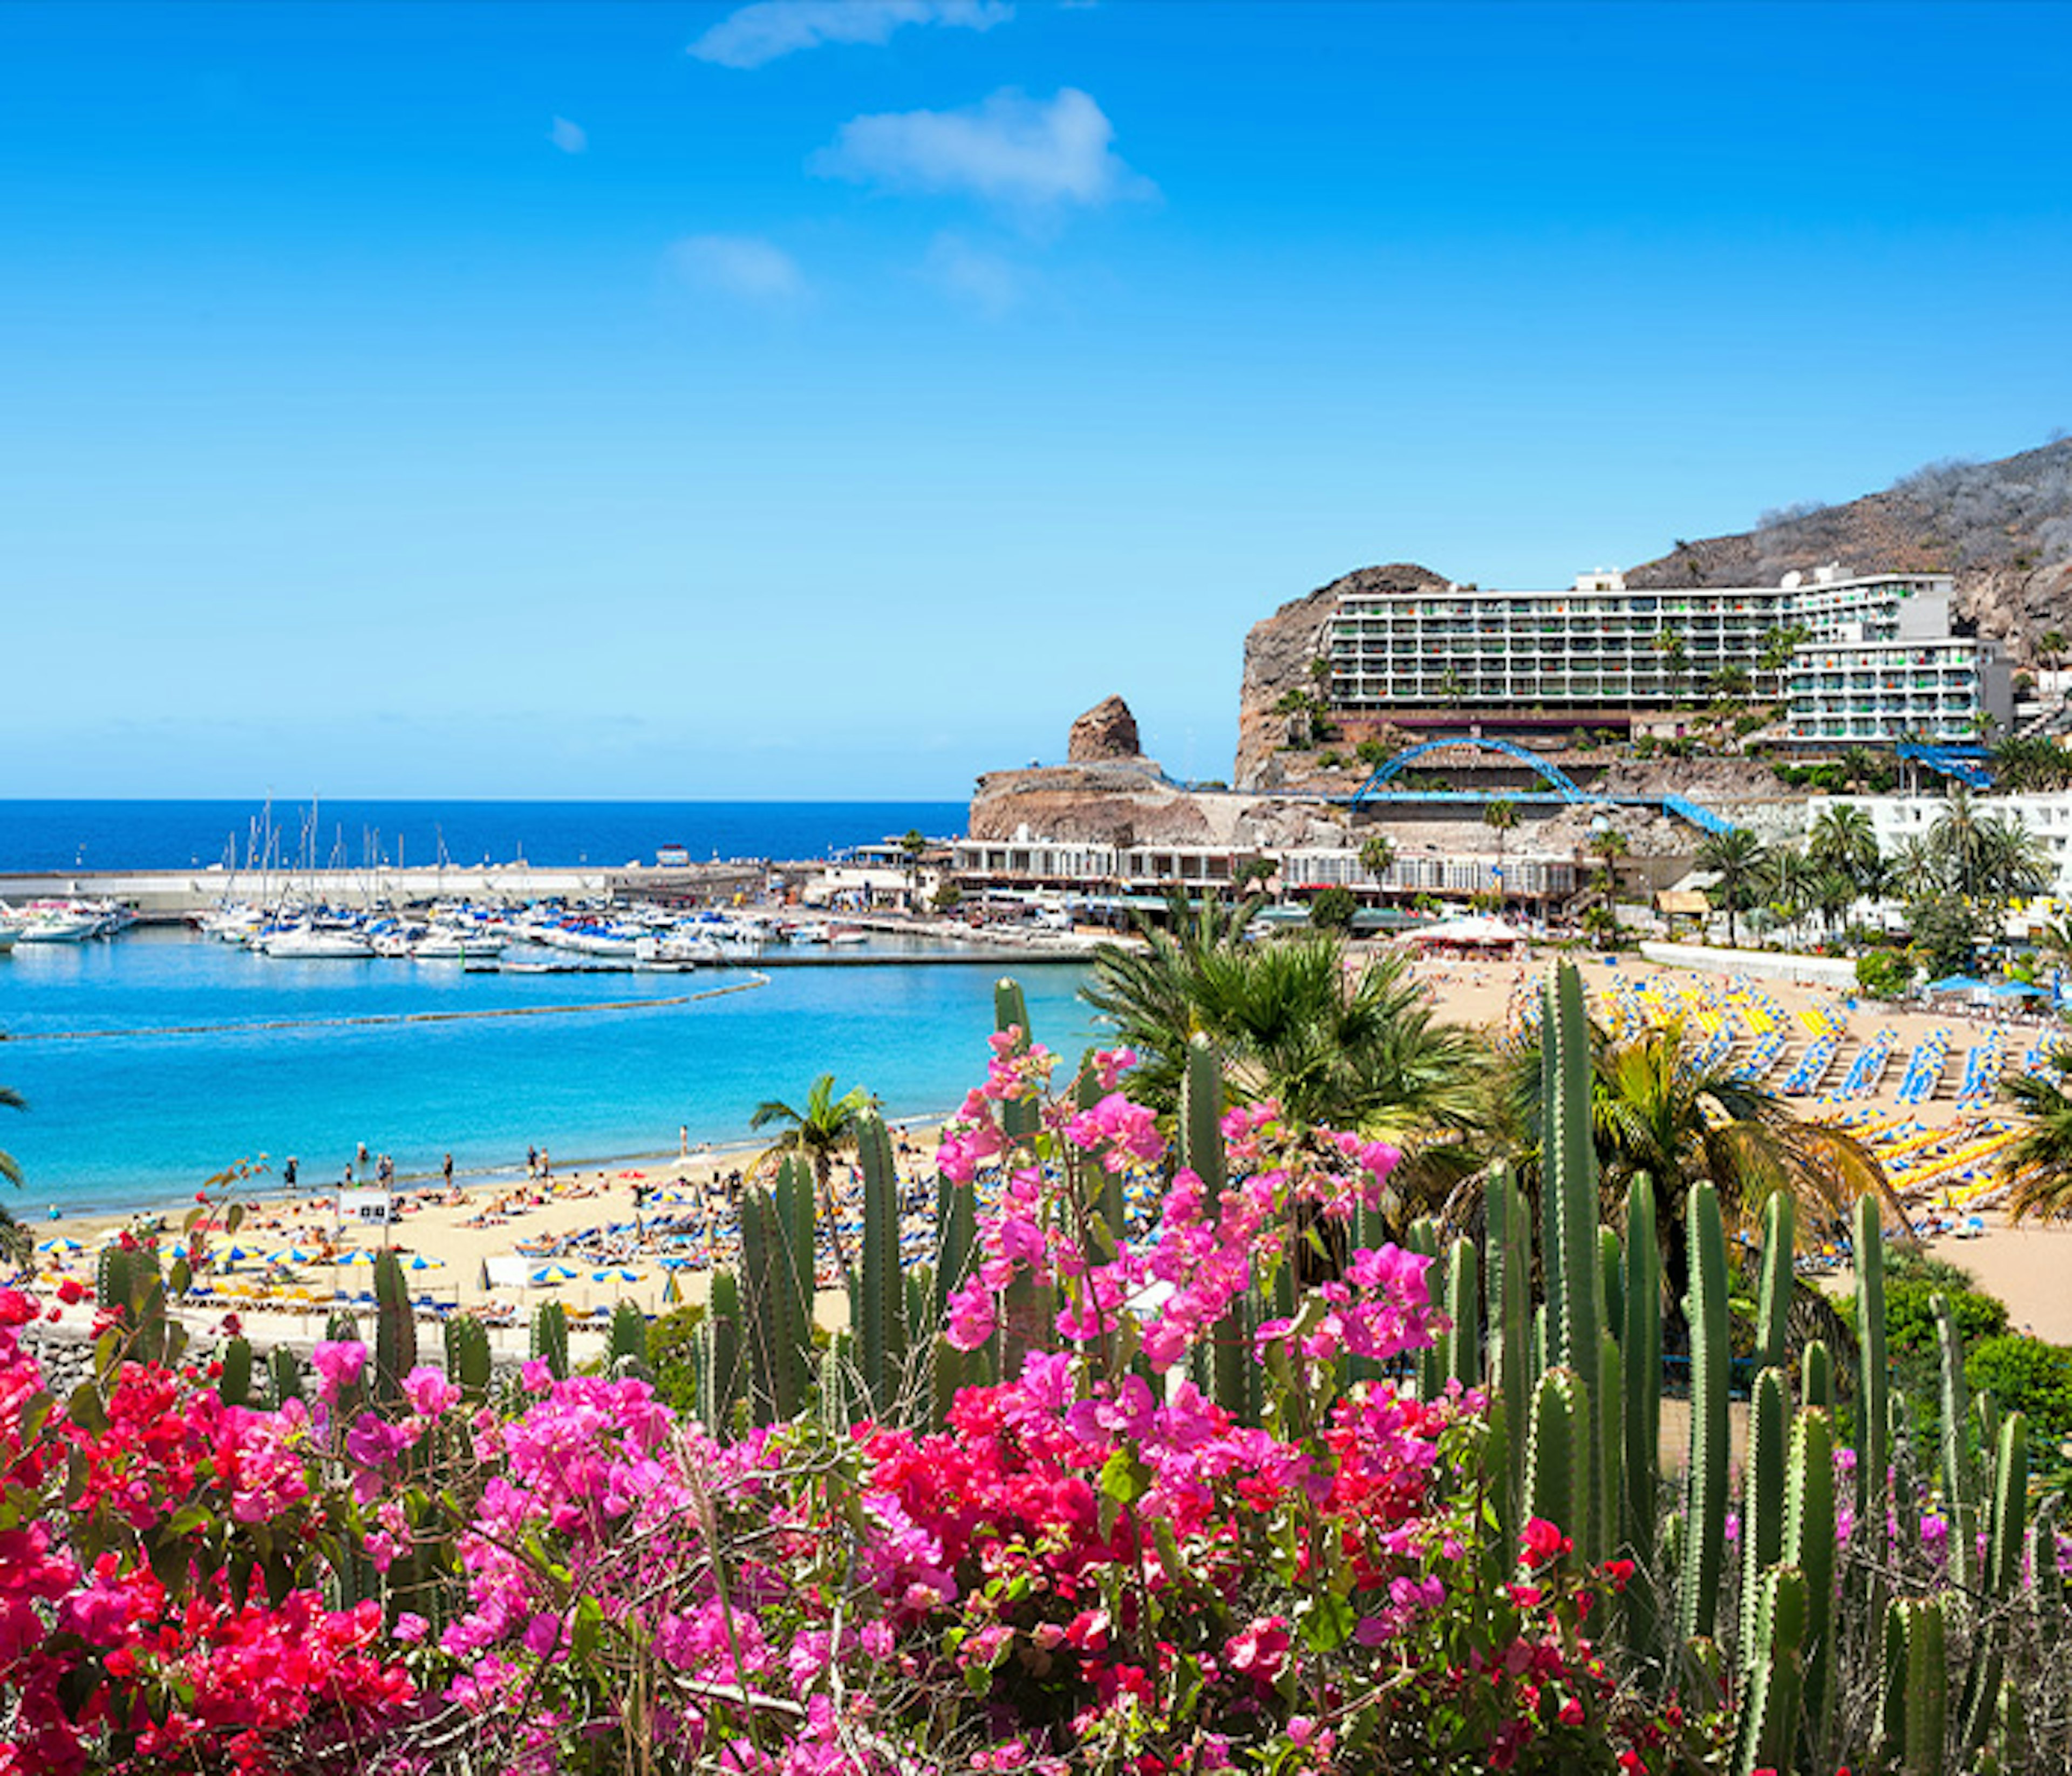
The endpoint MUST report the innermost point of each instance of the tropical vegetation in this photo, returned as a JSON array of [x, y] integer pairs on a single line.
[[1232, 1493], [824, 1130]]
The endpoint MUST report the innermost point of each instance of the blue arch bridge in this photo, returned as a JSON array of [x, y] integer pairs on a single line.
[[1556, 785]]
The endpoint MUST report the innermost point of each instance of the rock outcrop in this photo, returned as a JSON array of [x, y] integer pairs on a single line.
[[1101, 804], [1107, 731], [2003, 529], [1277, 657]]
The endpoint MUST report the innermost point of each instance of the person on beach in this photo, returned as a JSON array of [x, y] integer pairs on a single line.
[[447, 1169], [360, 1157], [682, 1140], [532, 1162], [288, 1171]]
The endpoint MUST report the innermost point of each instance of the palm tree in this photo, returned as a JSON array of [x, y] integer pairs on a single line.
[[2038, 1167], [1365, 1053], [1739, 859], [829, 1125], [1377, 855], [1500, 815], [2015, 863], [1675, 661], [913, 846], [1789, 884], [1153, 992], [1913, 871], [1959, 842], [1608, 847], [1843, 840]]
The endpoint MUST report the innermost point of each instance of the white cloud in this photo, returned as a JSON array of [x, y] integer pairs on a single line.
[[1009, 149], [571, 138], [989, 283], [770, 28], [739, 264]]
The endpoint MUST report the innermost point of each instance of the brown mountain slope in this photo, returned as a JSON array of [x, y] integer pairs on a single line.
[[2003, 529]]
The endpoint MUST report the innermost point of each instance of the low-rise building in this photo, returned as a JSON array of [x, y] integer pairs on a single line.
[[2045, 815]]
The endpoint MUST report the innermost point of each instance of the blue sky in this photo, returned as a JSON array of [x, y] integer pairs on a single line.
[[833, 399]]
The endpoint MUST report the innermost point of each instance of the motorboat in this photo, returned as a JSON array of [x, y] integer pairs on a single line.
[[450, 944], [315, 943]]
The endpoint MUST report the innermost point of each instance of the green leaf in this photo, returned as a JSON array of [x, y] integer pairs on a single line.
[[589, 1625], [84, 1407], [1124, 1478], [1325, 1621]]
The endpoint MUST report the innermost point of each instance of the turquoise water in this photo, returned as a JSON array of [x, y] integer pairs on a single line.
[[139, 1116]]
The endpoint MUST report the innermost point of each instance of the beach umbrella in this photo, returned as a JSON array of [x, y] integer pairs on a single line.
[[553, 1273], [290, 1255], [620, 1272], [678, 1264], [2017, 989], [357, 1256], [60, 1245], [419, 1261], [672, 1291]]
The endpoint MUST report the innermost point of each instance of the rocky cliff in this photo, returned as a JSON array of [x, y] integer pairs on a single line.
[[1277, 656], [2003, 529]]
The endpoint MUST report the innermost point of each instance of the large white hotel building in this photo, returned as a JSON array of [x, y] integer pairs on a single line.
[[1879, 663]]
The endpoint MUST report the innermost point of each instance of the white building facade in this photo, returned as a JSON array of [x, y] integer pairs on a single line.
[[2047, 816], [1879, 664]]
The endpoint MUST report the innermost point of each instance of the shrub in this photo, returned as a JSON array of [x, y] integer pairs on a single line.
[[1884, 974], [2029, 1376], [1333, 910]]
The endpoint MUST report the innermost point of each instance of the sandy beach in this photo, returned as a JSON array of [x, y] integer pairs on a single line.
[[485, 1248]]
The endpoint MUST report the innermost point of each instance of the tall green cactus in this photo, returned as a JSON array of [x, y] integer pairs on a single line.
[[1640, 1351], [879, 1315], [1762, 1496], [2006, 1533], [719, 1382], [1773, 1301], [798, 1224], [233, 1387], [288, 1378], [625, 1353], [1559, 1462], [1873, 1374], [395, 1331], [780, 1335], [1569, 1193], [1960, 1475], [1809, 1546], [550, 1338], [1019, 1118], [957, 1237], [1705, 1486], [1462, 1341], [468, 1361], [1927, 1695], [1816, 1375], [1770, 1713], [1511, 1326]]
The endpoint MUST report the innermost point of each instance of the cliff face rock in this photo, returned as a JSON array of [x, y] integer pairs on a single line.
[[1113, 805], [1106, 731], [2003, 529], [1277, 655]]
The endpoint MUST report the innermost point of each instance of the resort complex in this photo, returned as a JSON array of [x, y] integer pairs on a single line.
[[1863, 658]]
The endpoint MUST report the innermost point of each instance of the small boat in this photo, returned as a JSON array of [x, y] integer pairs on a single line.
[[7, 937], [57, 928], [448, 944], [316, 944]]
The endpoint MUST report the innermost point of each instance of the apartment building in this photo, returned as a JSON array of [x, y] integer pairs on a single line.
[[1602, 652]]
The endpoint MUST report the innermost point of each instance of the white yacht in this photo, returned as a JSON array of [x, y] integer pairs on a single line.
[[316, 944]]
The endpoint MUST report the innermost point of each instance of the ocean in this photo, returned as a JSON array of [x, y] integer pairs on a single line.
[[154, 1060], [115, 834]]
